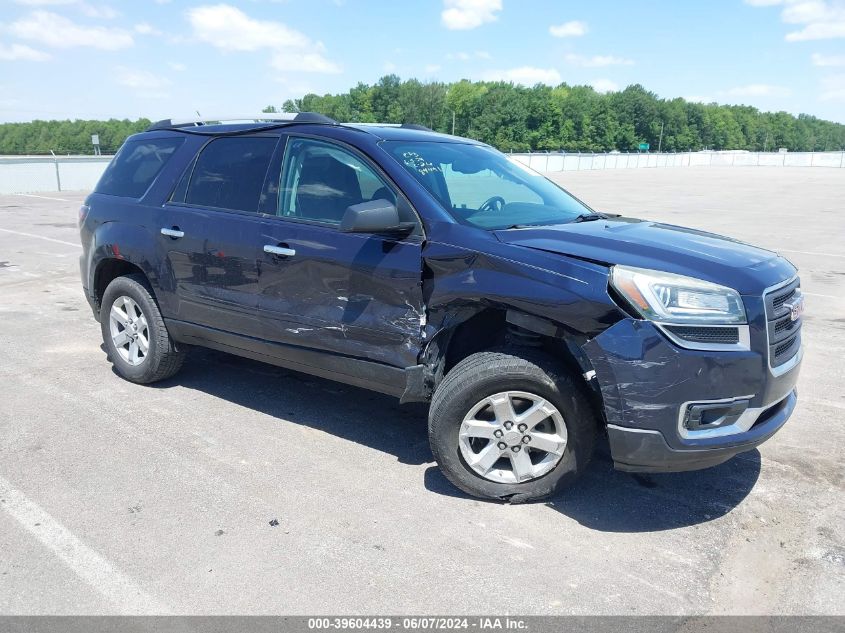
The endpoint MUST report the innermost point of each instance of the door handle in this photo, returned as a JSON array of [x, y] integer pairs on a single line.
[[282, 251], [175, 233]]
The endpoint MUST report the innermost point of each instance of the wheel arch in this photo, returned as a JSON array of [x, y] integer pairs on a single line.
[[107, 270], [470, 330], [119, 249]]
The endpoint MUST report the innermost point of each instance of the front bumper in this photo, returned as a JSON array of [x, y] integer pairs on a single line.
[[643, 450], [647, 382]]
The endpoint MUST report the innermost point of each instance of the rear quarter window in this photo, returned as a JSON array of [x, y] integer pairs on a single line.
[[136, 165]]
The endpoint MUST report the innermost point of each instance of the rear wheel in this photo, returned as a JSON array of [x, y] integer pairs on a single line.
[[137, 342], [511, 425]]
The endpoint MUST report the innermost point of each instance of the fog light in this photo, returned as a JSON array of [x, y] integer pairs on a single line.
[[712, 415]]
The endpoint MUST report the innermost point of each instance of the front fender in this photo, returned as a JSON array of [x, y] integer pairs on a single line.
[[459, 282]]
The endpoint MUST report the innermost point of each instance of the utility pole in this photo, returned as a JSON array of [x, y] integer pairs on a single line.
[[453, 123], [660, 142], [766, 142]]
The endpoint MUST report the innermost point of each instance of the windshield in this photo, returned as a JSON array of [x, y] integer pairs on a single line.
[[484, 188]]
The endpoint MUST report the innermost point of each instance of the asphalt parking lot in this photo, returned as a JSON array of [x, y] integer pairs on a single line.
[[118, 498]]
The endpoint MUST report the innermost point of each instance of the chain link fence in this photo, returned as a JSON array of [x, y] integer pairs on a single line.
[[26, 174]]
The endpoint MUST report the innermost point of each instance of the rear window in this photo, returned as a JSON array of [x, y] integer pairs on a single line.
[[136, 165], [229, 173]]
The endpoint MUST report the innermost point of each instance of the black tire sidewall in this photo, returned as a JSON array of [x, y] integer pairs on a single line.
[[558, 388], [134, 290]]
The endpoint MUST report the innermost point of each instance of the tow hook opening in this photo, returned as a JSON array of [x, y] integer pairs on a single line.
[[712, 415]]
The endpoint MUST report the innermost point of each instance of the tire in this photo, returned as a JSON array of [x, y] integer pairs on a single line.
[[513, 372], [161, 359]]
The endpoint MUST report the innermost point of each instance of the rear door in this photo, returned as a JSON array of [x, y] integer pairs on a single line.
[[351, 294], [210, 230]]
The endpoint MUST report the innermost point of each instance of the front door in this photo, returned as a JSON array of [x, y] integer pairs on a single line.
[[351, 294]]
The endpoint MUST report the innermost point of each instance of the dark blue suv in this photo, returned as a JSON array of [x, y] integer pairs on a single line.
[[436, 269]]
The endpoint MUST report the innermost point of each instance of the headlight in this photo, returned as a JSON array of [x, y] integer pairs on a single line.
[[670, 298]]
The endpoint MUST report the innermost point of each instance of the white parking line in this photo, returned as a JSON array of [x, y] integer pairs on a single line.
[[815, 294], [785, 250], [829, 403], [41, 237], [32, 195], [95, 570]]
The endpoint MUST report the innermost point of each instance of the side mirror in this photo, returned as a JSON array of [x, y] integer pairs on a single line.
[[375, 216]]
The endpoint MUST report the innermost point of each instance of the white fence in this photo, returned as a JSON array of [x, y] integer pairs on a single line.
[[24, 174], [549, 162]]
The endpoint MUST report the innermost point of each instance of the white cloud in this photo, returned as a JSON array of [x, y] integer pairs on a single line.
[[597, 61], [758, 90], [820, 19], [431, 69], [525, 75], [699, 99], [833, 88], [604, 85], [103, 11], [90, 10], [142, 82], [575, 28], [464, 56], [828, 60], [178, 67], [303, 62], [818, 31], [21, 52], [389, 67], [230, 29], [469, 14], [54, 30], [145, 28]]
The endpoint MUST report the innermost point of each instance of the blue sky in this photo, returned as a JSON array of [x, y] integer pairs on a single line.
[[162, 58]]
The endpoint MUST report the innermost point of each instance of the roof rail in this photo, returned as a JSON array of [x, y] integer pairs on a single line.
[[407, 126], [270, 117]]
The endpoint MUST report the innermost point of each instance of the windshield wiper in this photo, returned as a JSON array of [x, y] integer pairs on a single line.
[[589, 217]]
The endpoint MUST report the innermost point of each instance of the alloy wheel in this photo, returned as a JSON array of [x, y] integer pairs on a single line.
[[129, 330], [512, 437]]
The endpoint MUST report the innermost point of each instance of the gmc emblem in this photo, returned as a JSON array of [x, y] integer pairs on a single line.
[[795, 307]]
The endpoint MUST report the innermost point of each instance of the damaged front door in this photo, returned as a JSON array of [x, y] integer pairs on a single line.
[[353, 294]]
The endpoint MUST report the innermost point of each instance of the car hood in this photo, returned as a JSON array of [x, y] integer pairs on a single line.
[[658, 246]]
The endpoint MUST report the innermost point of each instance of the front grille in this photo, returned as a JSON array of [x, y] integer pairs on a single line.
[[779, 300], [784, 347], [785, 325], [784, 334], [721, 335]]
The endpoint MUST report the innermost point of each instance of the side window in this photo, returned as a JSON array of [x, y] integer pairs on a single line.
[[136, 165], [229, 173], [320, 180]]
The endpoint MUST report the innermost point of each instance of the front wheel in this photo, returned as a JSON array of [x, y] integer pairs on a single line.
[[137, 342], [511, 426]]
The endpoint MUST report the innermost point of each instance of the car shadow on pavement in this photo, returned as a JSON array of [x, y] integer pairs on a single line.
[[357, 415], [603, 499], [608, 500]]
